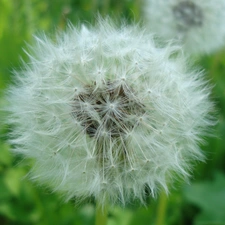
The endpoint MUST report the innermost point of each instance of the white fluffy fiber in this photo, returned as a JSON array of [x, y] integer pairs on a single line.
[[150, 147], [206, 38]]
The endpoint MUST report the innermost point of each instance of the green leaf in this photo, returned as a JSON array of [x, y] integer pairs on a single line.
[[7, 210], [12, 180], [5, 155], [209, 196]]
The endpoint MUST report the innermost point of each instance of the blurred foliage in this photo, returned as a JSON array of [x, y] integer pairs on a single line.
[[209, 196], [22, 202]]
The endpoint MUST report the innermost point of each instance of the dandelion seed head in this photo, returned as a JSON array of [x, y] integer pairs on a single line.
[[106, 113], [197, 25]]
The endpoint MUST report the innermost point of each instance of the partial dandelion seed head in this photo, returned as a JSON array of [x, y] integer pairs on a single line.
[[197, 25], [107, 114]]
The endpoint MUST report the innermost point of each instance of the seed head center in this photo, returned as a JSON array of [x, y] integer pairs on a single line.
[[109, 109], [188, 14]]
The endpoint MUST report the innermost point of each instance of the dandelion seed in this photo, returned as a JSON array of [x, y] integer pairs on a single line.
[[197, 25], [131, 125]]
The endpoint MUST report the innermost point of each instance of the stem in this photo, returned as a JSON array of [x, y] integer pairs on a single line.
[[101, 214], [161, 211]]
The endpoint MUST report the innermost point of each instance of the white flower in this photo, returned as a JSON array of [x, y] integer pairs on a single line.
[[197, 24], [106, 113]]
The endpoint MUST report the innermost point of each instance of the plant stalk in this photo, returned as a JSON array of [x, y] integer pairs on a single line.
[[101, 214], [161, 210]]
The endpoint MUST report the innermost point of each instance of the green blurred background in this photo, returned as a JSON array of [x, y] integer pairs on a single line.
[[202, 202]]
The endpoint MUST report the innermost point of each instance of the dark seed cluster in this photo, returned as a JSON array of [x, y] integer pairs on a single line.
[[188, 14], [106, 110]]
